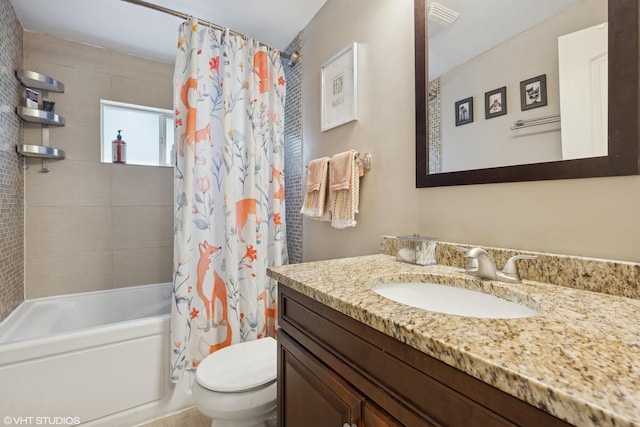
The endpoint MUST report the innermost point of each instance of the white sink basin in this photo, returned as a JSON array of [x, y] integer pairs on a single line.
[[452, 300]]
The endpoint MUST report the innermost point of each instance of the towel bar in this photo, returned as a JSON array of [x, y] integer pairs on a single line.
[[365, 160], [519, 124]]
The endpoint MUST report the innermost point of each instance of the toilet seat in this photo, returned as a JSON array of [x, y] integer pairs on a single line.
[[239, 367]]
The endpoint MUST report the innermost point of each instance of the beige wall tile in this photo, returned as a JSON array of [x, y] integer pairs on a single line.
[[70, 183], [141, 91], [142, 266], [86, 88], [123, 66], [80, 137], [142, 185], [83, 209], [80, 106], [53, 230], [59, 274], [51, 50], [142, 226], [141, 81]]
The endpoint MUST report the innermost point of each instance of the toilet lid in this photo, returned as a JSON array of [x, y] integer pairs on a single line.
[[239, 367]]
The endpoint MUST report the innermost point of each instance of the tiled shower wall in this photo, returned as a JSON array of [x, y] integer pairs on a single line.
[[11, 174], [90, 225], [293, 153]]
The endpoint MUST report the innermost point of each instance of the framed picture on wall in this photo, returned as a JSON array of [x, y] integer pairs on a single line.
[[464, 111], [339, 77], [533, 92], [495, 103]]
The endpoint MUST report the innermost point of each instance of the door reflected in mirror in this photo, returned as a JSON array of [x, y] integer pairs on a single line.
[[554, 72]]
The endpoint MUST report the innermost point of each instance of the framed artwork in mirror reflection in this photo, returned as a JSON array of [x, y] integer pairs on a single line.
[[464, 111], [533, 92], [495, 103]]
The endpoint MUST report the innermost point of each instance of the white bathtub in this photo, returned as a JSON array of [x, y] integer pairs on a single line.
[[98, 358]]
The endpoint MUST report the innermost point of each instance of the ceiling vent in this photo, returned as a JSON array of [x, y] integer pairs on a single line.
[[439, 17]]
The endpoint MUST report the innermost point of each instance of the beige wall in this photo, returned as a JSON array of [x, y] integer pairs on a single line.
[[385, 125], [589, 217], [89, 225]]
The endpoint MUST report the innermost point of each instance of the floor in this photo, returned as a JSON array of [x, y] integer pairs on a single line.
[[187, 418]]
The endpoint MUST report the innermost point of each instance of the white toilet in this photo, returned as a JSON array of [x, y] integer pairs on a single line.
[[236, 386]]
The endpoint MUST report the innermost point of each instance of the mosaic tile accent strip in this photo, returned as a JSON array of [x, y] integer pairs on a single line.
[[435, 126], [293, 153], [11, 172]]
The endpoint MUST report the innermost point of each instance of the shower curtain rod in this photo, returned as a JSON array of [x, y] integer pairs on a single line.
[[292, 58]]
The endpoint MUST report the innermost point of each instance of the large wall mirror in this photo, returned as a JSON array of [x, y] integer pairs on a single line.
[[512, 91]]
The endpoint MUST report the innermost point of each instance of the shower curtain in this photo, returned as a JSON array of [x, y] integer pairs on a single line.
[[229, 192]]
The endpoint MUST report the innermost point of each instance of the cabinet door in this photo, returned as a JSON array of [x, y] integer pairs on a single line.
[[310, 394], [376, 417]]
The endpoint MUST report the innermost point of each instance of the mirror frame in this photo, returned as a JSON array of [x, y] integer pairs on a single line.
[[623, 107]]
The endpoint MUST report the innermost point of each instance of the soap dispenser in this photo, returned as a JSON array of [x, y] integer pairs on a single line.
[[119, 149]]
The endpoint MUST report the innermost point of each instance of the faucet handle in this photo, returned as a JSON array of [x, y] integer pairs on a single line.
[[511, 267]]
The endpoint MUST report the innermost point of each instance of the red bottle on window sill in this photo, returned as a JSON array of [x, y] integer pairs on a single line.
[[119, 149]]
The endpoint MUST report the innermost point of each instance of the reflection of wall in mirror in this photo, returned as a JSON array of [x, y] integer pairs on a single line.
[[583, 63], [490, 143]]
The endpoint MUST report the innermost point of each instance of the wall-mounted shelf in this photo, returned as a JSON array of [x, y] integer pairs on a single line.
[[45, 84], [39, 81], [38, 116], [40, 151]]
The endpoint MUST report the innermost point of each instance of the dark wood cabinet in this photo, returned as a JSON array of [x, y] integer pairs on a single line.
[[321, 398], [376, 417], [334, 370]]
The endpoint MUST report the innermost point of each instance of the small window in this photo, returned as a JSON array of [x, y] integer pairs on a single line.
[[148, 133]]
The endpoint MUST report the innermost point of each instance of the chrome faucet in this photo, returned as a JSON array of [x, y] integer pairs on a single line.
[[481, 265]]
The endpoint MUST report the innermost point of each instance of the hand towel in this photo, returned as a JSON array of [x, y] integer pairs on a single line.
[[345, 201], [316, 170], [315, 204], [340, 167]]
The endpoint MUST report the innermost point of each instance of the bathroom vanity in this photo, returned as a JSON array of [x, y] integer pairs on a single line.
[[350, 357]]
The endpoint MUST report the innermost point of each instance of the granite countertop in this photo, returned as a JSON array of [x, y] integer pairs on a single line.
[[578, 359]]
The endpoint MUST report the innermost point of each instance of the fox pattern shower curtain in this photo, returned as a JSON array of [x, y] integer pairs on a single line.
[[229, 192]]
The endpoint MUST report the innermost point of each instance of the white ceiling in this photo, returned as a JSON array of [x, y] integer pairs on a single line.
[[133, 29], [137, 30]]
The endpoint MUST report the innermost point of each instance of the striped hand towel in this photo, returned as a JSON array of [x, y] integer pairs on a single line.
[[345, 199]]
